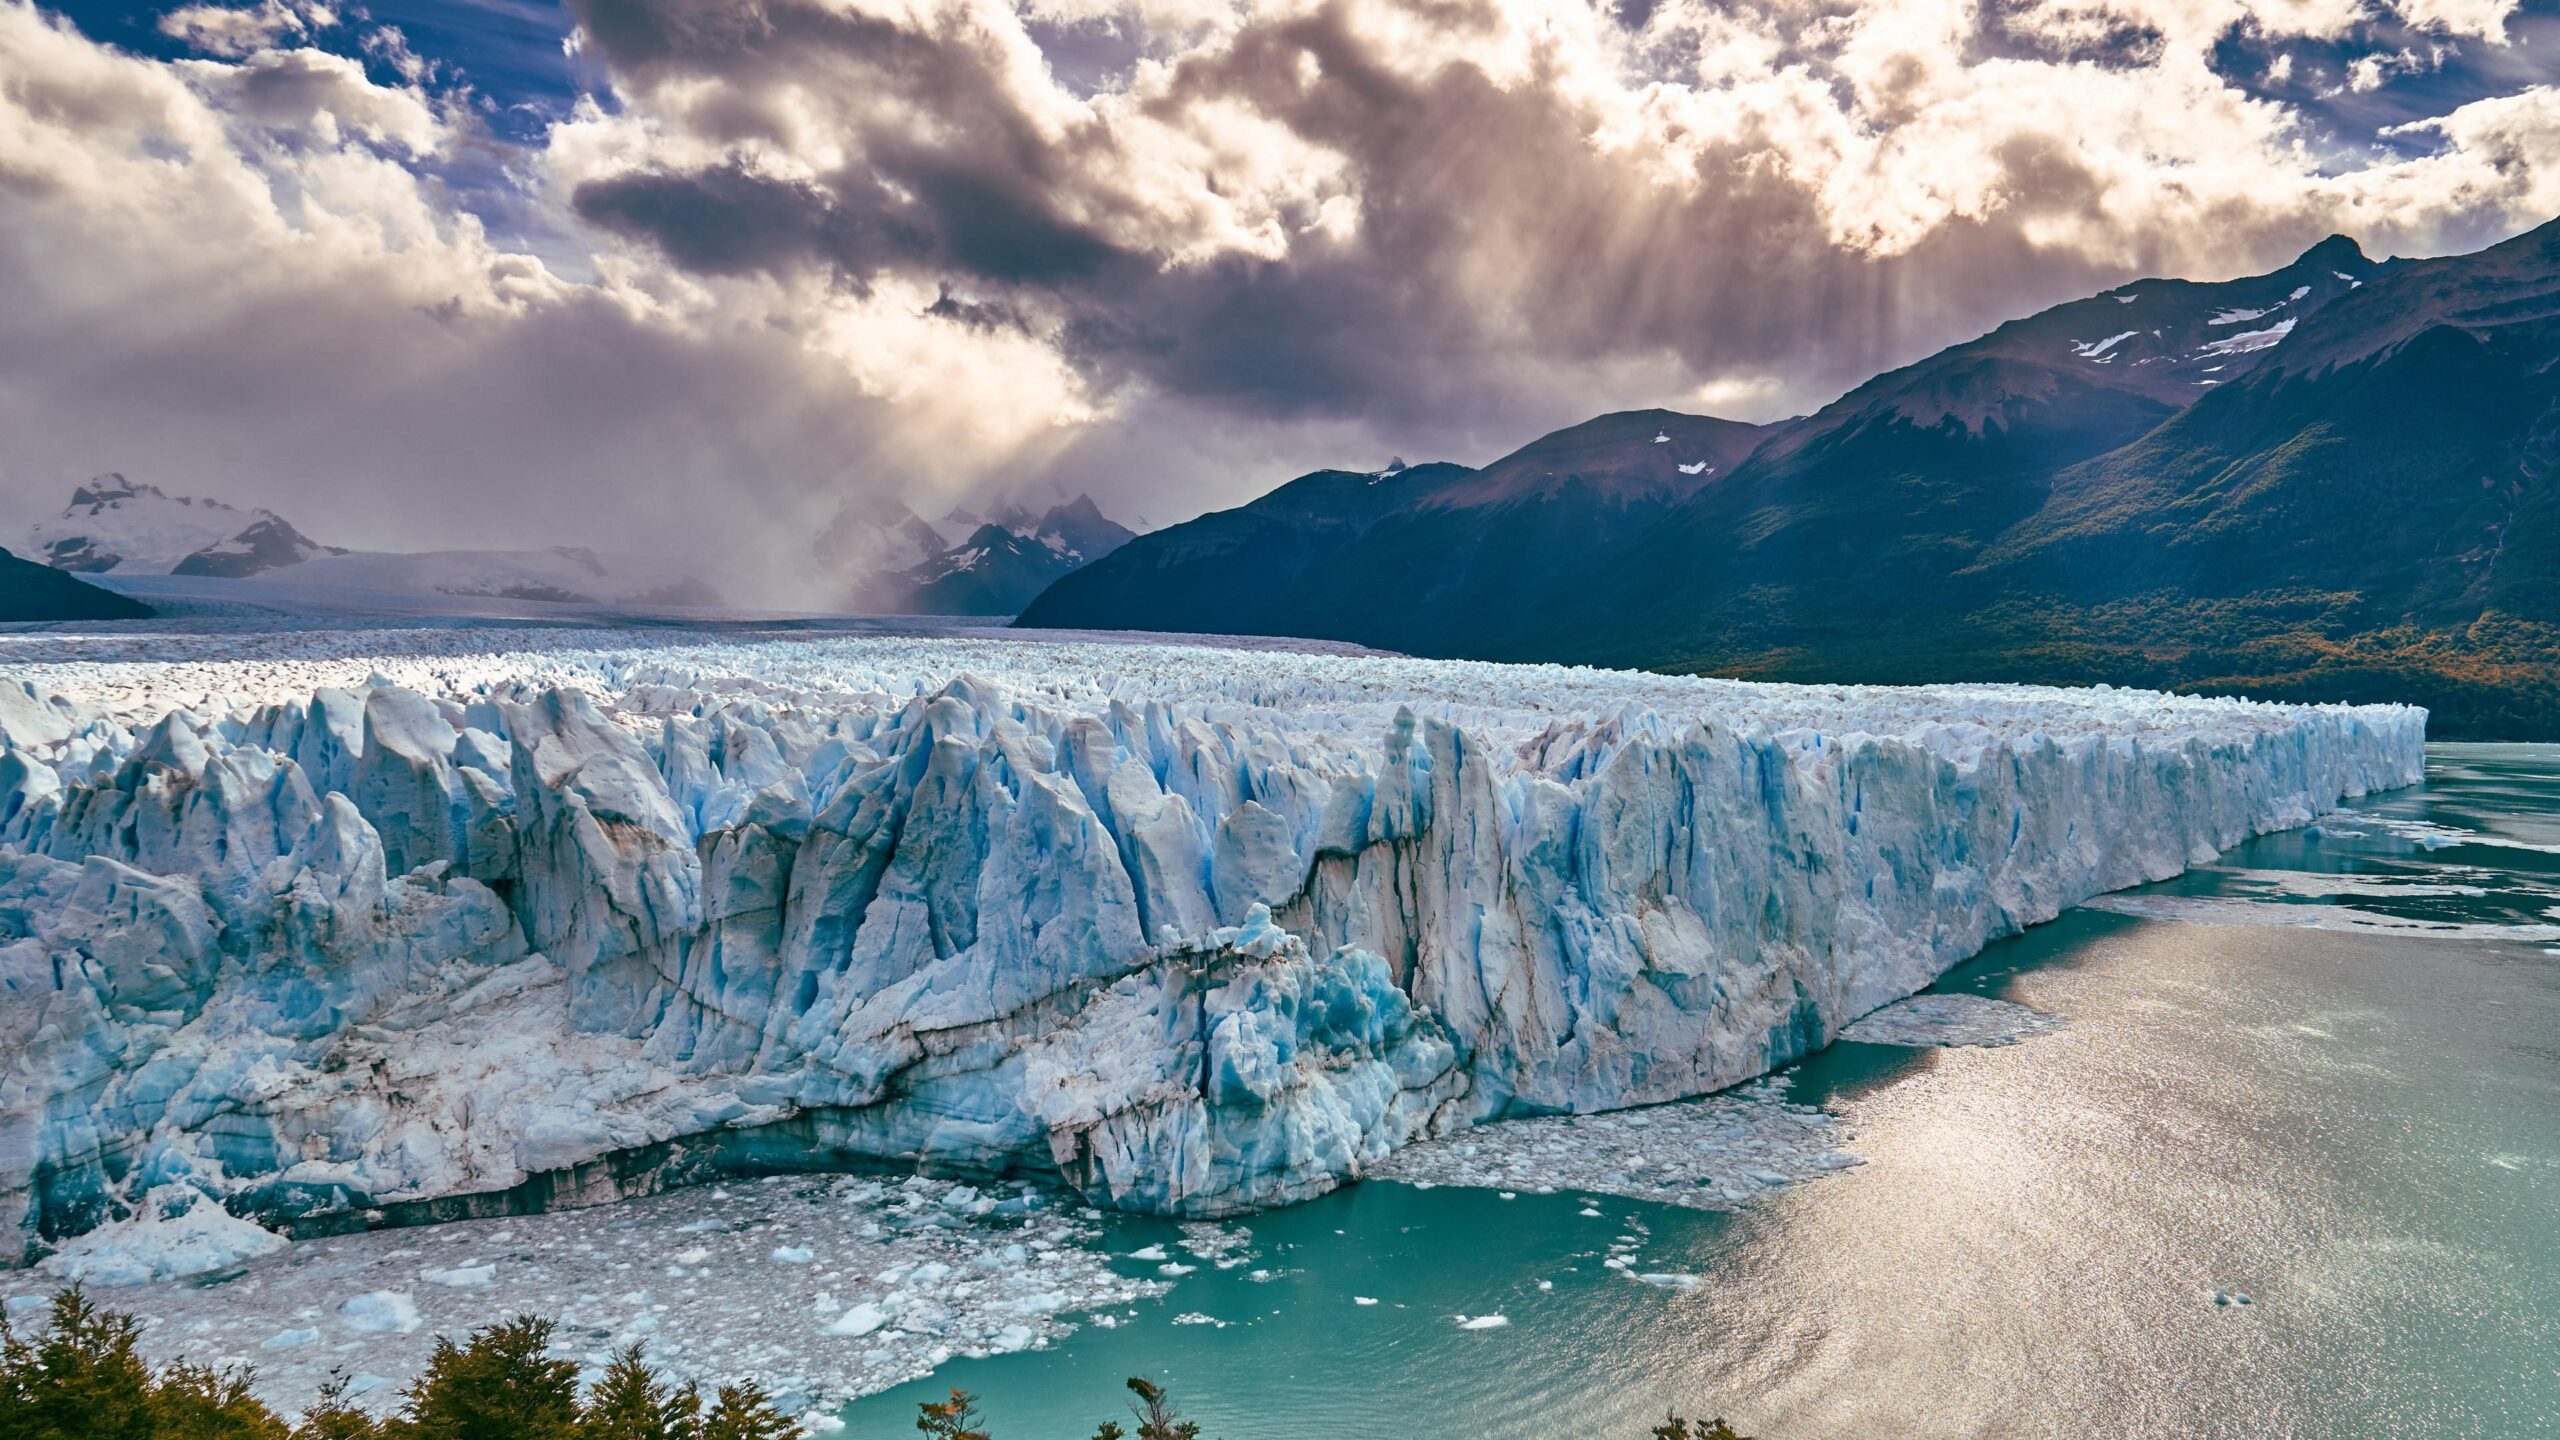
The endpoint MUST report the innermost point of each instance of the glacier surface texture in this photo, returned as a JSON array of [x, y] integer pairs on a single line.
[[336, 927]]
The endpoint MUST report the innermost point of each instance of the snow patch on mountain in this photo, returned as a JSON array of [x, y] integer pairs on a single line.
[[2251, 340], [349, 926]]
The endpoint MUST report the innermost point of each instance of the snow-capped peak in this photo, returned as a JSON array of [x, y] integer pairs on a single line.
[[114, 524]]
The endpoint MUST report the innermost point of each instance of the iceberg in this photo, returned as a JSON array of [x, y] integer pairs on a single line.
[[350, 927]]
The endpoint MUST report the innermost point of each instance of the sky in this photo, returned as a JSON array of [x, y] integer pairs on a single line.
[[690, 275]]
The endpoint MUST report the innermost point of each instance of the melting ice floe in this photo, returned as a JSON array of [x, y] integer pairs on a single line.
[[2248, 913], [903, 1276], [1950, 1019], [346, 926], [2392, 894], [1711, 1154]]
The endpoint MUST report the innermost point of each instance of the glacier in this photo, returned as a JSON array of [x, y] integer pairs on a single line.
[[345, 927]]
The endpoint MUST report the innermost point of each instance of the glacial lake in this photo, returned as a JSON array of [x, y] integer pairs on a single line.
[[2323, 1073]]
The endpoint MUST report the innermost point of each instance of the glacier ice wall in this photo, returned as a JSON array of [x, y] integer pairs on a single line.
[[421, 923]]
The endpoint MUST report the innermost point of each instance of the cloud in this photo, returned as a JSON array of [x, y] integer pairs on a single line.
[[1172, 251], [224, 30], [240, 279], [1437, 215]]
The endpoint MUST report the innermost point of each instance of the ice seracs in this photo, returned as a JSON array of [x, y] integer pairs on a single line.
[[344, 927]]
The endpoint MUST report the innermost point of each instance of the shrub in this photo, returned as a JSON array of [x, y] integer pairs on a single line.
[[85, 1380]]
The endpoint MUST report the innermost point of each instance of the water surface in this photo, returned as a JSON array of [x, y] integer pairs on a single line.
[[2354, 1121]]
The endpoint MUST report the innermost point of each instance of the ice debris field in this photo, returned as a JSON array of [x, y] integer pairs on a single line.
[[821, 1288], [328, 929]]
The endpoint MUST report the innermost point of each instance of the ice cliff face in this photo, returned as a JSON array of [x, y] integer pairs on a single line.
[[425, 922]]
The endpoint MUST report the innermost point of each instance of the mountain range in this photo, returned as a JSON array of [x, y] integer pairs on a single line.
[[969, 565], [2331, 482], [877, 558], [115, 526]]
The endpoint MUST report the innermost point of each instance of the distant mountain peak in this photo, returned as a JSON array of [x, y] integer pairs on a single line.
[[103, 489], [2339, 252], [996, 564], [114, 523]]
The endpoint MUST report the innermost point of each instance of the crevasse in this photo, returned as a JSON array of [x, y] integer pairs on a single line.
[[418, 924]]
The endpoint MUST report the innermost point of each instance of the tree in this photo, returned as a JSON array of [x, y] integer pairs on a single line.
[[198, 1402], [631, 1403], [82, 1381], [332, 1418], [745, 1412], [500, 1386], [1157, 1419], [952, 1419]]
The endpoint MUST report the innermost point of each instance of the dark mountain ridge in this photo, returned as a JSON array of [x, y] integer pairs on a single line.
[[2327, 482], [29, 591]]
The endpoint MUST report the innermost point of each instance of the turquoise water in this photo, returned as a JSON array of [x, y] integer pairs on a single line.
[[2356, 1125]]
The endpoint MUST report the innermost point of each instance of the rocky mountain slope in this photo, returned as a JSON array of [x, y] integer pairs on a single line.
[[2172, 483], [998, 566], [29, 591]]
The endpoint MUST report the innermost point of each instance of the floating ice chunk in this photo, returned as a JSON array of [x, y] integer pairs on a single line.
[[1661, 439], [381, 1312], [1151, 1252], [693, 1256], [462, 1277], [1588, 1213], [1483, 1322], [861, 1320], [821, 1422], [1194, 1317], [1364, 1299], [1694, 467], [793, 1254], [1669, 1280], [1175, 1267], [180, 1232], [286, 1339]]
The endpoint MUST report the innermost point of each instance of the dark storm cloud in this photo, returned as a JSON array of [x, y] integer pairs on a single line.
[[1170, 250], [962, 188], [1498, 258], [726, 220]]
